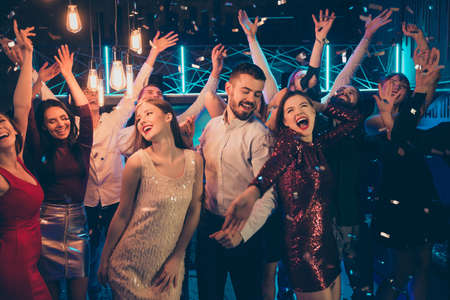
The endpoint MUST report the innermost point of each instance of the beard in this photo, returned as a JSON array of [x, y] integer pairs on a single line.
[[241, 115]]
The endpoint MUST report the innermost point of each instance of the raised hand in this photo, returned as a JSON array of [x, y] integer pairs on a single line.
[[323, 26], [162, 43], [386, 98], [373, 25], [248, 27], [217, 56], [46, 73], [22, 38], [411, 30], [64, 60], [13, 53], [427, 68]]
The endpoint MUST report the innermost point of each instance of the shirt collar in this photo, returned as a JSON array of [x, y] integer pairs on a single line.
[[236, 122]]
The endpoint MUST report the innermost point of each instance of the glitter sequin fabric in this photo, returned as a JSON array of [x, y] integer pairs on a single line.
[[304, 184], [152, 232]]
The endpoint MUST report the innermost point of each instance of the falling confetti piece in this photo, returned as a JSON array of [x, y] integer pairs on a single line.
[[379, 53], [408, 9], [364, 18], [199, 59], [195, 66], [386, 235], [396, 9], [235, 29], [281, 2], [183, 7], [375, 6], [395, 202]]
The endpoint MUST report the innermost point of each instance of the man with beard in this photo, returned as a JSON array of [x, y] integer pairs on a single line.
[[234, 146]]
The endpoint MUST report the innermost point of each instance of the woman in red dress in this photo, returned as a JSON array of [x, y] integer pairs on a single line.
[[20, 195]]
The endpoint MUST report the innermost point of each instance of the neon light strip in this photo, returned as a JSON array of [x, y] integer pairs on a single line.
[[183, 79], [107, 69], [397, 58], [327, 70]]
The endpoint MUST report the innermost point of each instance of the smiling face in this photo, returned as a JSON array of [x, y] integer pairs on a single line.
[[7, 133], [244, 95], [299, 115], [57, 122], [348, 94], [151, 121]]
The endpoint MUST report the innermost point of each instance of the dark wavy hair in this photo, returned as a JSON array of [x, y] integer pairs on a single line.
[[279, 117], [49, 143], [19, 138], [141, 143], [249, 69]]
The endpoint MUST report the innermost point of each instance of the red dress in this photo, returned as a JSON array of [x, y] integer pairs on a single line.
[[304, 185], [20, 240]]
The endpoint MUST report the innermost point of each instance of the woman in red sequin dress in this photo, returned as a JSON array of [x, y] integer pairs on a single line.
[[20, 195], [304, 184]]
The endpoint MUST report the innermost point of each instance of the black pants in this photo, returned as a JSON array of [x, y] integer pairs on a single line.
[[99, 219], [214, 262]]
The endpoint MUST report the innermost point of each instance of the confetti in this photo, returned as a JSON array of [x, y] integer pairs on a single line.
[[179, 68], [247, 53], [235, 29], [426, 210], [199, 59], [395, 202], [396, 9], [364, 18], [408, 9], [195, 26], [386, 235], [281, 2], [195, 66], [375, 6], [382, 129], [183, 7], [379, 53], [351, 7], [413, 111], [365, 9], [228, 4]]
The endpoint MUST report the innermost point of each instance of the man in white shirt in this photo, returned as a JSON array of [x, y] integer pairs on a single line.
[[234, 146]]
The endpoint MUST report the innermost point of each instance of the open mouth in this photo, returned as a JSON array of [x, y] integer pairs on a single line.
[[302, 123], [4, 135], [146, 129]]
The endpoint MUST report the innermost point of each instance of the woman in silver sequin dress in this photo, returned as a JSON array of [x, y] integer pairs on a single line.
[[159, 210]]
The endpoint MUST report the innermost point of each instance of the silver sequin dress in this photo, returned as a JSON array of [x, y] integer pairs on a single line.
[[153, 231]]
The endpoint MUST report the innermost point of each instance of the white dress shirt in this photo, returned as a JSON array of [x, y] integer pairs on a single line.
[[234, 153], [106, 166]]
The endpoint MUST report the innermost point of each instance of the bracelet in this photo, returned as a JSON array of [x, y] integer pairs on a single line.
[[324, 41]]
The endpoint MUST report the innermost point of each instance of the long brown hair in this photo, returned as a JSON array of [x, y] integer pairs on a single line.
[[141, 143]]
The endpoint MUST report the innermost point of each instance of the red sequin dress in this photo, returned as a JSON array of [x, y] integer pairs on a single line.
[[304, 184], [20, 240]]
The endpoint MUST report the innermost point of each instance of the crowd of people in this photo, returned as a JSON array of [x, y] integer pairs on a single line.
[[273, 187]]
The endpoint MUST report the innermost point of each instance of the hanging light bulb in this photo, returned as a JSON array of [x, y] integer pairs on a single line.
[[129, 75], [73, 22], [100, 92], [136, 41], [92, 78], [117, 79]]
